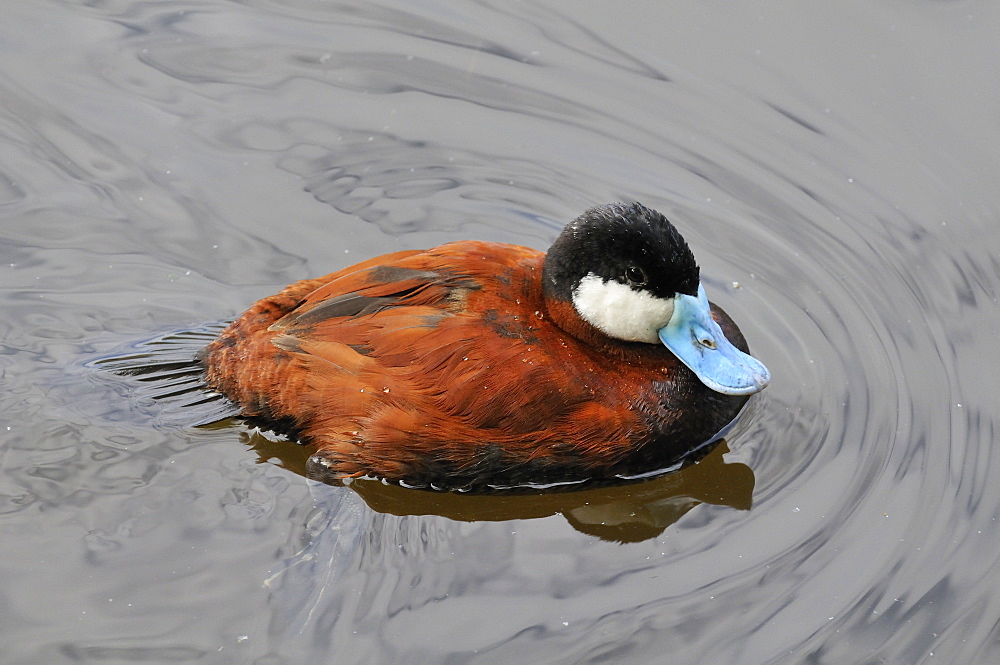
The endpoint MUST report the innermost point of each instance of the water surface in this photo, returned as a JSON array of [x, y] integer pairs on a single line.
[[166, 163]]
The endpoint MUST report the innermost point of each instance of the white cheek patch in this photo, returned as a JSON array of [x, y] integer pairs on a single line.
[[620, 311]]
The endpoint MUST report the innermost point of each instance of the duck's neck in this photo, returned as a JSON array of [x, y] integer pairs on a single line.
[[564, 315]]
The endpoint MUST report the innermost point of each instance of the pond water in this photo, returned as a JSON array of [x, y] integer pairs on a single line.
[[833, 166]]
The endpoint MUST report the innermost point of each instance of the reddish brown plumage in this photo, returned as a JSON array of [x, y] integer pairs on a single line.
[[449, 367]]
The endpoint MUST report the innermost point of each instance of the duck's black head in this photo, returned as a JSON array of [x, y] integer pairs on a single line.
[[626, 243], [627, 272]]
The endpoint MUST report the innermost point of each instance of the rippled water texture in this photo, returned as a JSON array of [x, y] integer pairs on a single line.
[[833, 165]]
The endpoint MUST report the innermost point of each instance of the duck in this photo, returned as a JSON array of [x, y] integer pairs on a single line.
[[477, 365]]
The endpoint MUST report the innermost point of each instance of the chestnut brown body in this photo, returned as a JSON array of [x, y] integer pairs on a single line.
[[451, 367]]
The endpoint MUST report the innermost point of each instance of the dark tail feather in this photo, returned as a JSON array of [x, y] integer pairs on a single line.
[[167, 372]]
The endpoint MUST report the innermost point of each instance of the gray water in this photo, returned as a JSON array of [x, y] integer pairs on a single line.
[[833, 166]]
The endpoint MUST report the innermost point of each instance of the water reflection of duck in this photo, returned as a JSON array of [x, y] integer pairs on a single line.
[[475, 364], [619, 513]]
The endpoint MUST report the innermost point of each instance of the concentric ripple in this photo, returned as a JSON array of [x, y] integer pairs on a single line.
[[834, 171]]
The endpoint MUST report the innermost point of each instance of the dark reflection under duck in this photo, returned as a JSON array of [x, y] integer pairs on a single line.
[[623, 511]]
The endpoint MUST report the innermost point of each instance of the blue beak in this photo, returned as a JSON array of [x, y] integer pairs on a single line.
[[697, 341]]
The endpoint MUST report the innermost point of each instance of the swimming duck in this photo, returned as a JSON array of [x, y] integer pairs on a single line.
[[479, 364]]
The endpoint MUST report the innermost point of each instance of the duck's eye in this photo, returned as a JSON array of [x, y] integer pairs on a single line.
[[635, 276]]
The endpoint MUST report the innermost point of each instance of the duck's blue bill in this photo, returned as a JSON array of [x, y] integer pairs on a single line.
[[697, 341]]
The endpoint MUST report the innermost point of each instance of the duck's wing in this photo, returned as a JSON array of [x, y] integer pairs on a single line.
[[410, 310], [370, 290], [442, 278], [459, 334]]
